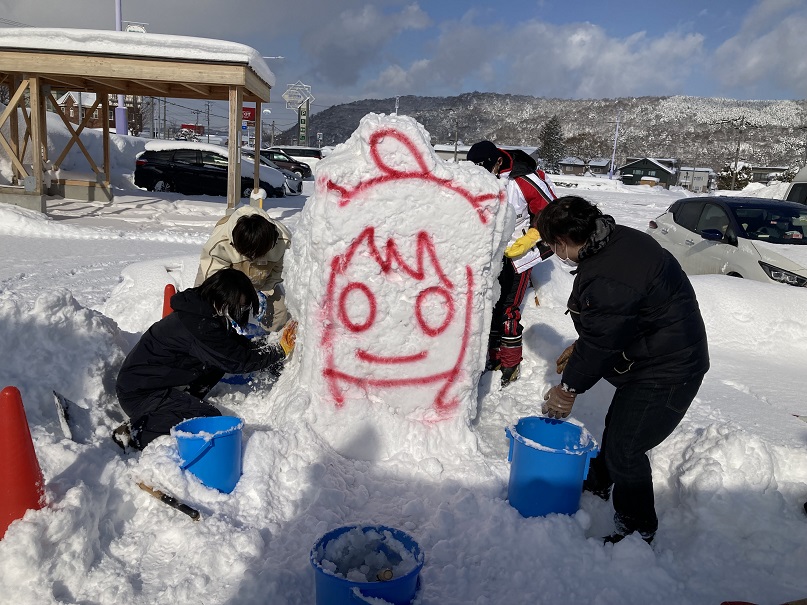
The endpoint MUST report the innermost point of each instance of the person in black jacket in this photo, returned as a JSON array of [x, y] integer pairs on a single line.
[[181, 357], [639, 327]]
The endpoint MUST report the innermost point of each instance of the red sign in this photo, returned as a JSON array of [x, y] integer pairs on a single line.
[[248, 114], [197, 128]]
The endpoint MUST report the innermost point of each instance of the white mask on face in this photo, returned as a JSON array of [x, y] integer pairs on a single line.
[[566, 261]]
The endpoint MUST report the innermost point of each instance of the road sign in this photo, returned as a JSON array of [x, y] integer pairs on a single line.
[[296, 94], [248, 114]]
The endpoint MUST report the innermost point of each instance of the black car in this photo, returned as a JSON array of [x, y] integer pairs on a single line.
[[198, 169], [284, 161]]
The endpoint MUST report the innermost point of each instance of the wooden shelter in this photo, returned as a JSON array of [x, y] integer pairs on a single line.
[[36, 61]]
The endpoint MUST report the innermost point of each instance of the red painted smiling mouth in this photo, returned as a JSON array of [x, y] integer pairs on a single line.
[[371, 358]]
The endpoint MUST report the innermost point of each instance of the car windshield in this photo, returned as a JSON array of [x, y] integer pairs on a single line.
[[774, 224]]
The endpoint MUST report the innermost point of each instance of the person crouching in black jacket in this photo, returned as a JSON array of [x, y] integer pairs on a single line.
[[639, 327], [181, 357]]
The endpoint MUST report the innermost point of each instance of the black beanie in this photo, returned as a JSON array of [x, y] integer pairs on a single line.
[[484, 153]]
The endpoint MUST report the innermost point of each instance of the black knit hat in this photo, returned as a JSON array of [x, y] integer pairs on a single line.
[[484, 153]]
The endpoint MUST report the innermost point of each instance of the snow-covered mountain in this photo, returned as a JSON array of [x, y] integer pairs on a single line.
[[701, 131]]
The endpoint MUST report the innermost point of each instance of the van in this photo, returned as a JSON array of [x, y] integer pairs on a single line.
[[797, 192], [309, 155]]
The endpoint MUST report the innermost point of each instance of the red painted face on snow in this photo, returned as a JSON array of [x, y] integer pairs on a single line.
[[392, 316]]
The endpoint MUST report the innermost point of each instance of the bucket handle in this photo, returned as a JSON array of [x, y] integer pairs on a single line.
[[589, 455], [205, 446], [509, 434]]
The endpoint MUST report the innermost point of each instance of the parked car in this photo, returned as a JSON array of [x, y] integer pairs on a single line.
[[294, 182], [198, 169], [309, 155], [756, 238], [797, 191], [284, 161]]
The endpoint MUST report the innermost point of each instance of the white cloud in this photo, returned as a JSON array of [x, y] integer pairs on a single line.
[[758, 59]]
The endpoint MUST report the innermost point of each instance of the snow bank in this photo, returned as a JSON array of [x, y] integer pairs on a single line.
[[391, 275]]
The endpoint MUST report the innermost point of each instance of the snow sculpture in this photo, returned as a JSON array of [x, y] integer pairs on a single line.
[[391, 275]]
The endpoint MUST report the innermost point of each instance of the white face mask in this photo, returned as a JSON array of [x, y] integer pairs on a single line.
[[566, 261]]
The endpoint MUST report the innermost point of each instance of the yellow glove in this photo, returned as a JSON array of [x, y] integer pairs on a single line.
[[564, 358], [523, 243], [289, 337]]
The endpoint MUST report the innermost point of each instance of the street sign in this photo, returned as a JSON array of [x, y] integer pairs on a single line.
[[296, 94], [248, 114]]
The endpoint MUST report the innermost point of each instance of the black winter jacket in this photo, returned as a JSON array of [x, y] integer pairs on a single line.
[[635, 313], [185, 345]]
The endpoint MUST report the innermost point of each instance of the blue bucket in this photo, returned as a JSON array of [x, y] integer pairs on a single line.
[[333, 589], [549, 461], [210, 448]]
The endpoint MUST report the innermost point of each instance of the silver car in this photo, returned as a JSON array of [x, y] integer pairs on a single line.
[[755, 238]]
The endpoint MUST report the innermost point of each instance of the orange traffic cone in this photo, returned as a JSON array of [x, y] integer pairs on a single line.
[[21, 481], [170, 290]]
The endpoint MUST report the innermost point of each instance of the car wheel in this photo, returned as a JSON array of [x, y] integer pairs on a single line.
[[734, 274], [298, 173], [247, 192], [161, 186]]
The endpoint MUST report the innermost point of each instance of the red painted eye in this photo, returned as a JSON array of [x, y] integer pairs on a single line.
[[434, 310], [357, 307]]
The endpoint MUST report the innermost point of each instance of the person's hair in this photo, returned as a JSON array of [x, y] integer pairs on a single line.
[[484, 153], [230, 292], [569, 217], [254, 236]]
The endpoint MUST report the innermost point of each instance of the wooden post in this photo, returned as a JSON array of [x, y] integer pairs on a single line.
[[36, 130], [256, 181], [234, 147], [14, 132], [44, 108]]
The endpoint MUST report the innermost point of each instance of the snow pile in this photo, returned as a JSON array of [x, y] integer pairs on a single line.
[[391, 275]]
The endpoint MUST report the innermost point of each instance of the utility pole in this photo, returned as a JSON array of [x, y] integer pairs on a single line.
[[737, 153], [396, 105], [613, 152], [121, 117], [272, 137], [208, 121]]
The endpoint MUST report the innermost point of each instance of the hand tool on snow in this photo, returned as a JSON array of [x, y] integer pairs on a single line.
[[170, 501]]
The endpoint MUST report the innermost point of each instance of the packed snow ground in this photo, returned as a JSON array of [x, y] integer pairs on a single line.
[[81, 284]]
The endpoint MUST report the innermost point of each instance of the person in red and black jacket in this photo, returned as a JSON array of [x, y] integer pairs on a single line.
[[529, 191]]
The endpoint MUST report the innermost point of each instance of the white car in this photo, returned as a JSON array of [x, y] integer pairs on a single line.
[[755, 238]]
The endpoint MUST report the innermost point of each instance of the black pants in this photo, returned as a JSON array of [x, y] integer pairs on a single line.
[[504, 343], [640, 417], [157, 412]]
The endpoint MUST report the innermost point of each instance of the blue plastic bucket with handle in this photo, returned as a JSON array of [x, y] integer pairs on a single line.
[[333, 588], [210, 448], [549, 462]]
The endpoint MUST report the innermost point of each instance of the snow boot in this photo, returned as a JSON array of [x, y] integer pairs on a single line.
[[510, 375], [617, 537]]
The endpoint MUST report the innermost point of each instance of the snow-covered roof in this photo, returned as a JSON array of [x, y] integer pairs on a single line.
[[168, 145], [652, 161], [132, 44], [575, 161], [87, 98]]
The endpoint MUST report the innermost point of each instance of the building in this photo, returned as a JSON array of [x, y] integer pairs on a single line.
[[697, 179], [649, 169], [763, 174], [573, 165], [75, 106]]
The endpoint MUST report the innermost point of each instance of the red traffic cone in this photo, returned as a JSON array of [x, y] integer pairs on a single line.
[[21, 481], [170, 290]]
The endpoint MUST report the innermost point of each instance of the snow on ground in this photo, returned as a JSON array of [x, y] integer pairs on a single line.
[[80, 284]]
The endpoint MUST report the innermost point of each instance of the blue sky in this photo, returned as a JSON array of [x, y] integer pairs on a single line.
[[353, 49]]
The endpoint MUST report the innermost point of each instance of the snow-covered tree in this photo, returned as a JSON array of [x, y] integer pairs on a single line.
[[586, 146], [553, 149], [740, 174], [787, 176]]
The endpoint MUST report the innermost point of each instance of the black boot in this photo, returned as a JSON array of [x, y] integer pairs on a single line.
[[510, 375]]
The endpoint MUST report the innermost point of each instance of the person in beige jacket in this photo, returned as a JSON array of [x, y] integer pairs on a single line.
[[253, 243]]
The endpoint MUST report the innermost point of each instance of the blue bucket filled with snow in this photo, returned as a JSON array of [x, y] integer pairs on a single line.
[[356, 564], [549, 461], [210, 448]]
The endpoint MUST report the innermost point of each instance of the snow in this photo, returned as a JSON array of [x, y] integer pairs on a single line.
[[81, 284], [131, 44]]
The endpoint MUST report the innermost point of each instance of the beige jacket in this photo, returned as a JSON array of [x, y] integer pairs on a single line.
[[219, 253]]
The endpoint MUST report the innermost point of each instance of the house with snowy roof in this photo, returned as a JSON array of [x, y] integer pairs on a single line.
[[75, 106], [574, 165], [650, 170]]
